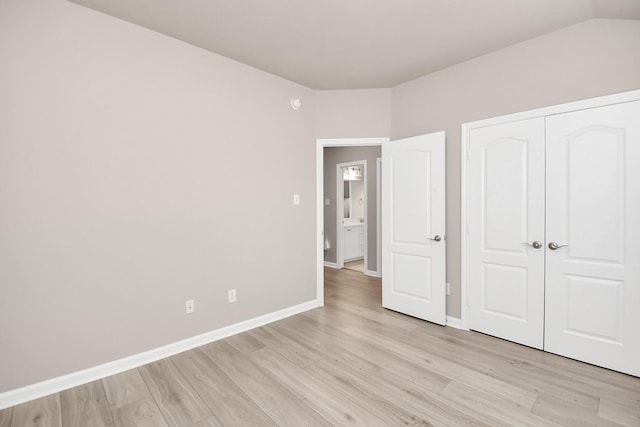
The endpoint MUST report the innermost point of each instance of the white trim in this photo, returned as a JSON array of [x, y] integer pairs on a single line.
[[331, 264], [372, 273], [466, 128], [319, 222], [379, 217], [320, 145], [454, 323], [54, 385]]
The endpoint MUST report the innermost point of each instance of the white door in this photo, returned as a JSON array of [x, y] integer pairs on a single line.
[[506, 231], [593, 215], [413, 227]]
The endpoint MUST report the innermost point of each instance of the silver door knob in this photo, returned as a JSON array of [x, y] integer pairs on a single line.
[[437, 238], [535, 244], [553, 246]]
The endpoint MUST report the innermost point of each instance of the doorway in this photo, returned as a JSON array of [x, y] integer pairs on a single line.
[[326, 209], [351, 215]]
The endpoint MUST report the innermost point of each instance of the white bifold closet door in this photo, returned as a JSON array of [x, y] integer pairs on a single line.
[[554, 234], [592, 284], [506, 230]]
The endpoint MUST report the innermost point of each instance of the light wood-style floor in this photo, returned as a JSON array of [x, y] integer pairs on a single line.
[[355, 265], [348, 363]]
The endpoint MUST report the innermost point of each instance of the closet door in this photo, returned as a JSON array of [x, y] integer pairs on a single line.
[[593, 236], [506, 231]]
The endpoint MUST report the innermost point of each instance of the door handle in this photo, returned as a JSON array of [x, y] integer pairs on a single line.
[[553, 246], [436, 238], [535, 244]]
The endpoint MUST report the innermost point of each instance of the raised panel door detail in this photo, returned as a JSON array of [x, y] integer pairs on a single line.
[[411, 203], [595, 179], [506, 211], [505, 291], [602, 321], [408, 267], [504, 190], [593, 207], [413, 183]]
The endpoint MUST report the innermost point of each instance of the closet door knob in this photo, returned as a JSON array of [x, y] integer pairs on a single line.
[[553, 246], [436, 238], [535, 244]]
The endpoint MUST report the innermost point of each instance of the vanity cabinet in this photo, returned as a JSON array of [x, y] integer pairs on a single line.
[[353, 242]]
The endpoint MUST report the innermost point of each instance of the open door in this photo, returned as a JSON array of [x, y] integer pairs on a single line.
[[413, 227]]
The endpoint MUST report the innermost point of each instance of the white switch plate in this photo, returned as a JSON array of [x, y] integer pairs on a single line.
[[189, 306], [232, 295], [296, 199], [448, 289], [327, 202]]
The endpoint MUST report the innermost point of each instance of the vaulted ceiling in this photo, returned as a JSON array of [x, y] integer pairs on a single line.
[[353, 44]]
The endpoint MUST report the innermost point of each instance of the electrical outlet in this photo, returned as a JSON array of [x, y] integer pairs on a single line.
[[232, 295], [296, 199], [448, 289], [189, 306]]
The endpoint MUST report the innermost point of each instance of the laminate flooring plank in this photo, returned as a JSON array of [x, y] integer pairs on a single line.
[[492, 407], [374, 316], [336, 407], [125, 388], [244, 343], [413, 398], [589, 374], [599, 378], [178, 401], [566, 414], [5, 417], [278, 401], [213, 422], [85, 405], [141, 413], [446, 367], [296, 352], [349, 384], [517, 373], [381, 341], [43, 412], [230, 405], [367, 359], [620, 413]]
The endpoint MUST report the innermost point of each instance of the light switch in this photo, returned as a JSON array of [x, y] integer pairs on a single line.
[[296, 199], [327, 202]]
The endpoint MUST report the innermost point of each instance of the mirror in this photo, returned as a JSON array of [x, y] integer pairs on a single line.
[[353, 193]]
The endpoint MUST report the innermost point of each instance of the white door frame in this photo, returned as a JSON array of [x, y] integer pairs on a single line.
[[379, 216], [320, 145], [465, 132], [340, 211]]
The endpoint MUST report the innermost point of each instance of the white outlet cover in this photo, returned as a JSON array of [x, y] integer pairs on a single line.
[[232, 295], [296, 199], [189, 306]]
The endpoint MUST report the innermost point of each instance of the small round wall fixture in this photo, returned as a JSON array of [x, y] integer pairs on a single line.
[[296, 103]]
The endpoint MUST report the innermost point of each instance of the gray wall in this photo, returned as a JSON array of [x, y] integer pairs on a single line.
[[136, 172], [593, 58], [353, 113], [332, 157]]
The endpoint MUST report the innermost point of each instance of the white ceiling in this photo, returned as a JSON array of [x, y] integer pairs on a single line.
[[354, 44]]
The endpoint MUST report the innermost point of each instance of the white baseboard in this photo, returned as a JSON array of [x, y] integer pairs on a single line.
[[372, 273], [454, 322], [330, 264], [54, 385]]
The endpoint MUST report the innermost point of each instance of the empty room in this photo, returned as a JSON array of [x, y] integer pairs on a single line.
[[343, 212]]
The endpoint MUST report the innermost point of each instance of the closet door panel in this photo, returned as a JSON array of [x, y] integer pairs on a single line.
[[506, 187], [593, 215]]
